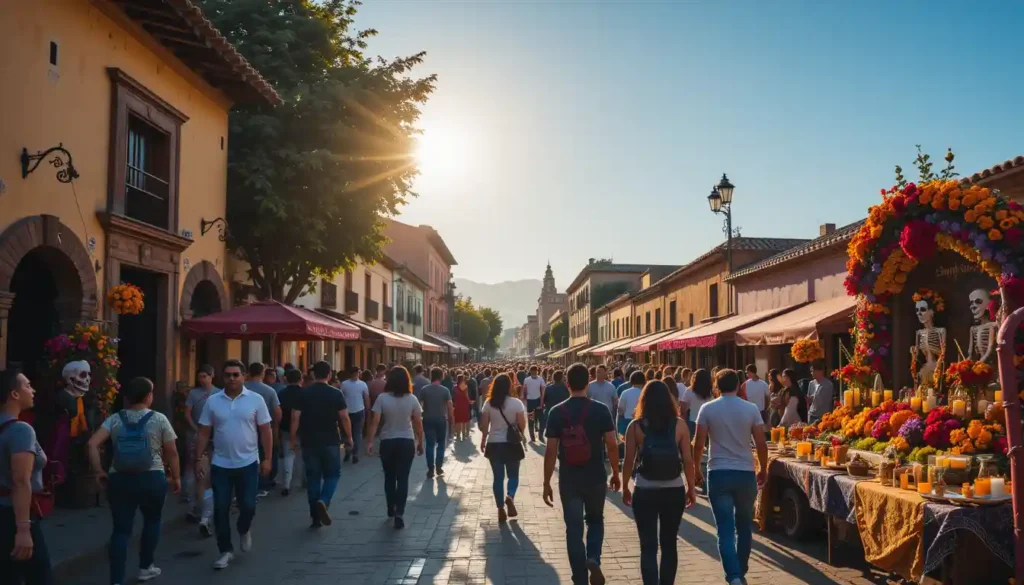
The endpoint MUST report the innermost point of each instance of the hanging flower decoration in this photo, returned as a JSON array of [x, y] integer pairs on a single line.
[[88, 343], [806, 351], [126, 299], [934, 299]]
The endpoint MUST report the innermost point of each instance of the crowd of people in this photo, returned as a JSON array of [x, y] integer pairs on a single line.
[[269, 425]]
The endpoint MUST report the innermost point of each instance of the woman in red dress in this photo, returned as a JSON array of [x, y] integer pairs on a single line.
[[462, 403]]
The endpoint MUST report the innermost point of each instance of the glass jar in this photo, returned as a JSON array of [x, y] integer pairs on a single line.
[[960, 402]]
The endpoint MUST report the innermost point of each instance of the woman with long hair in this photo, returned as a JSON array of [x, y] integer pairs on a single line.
[[672, 387], [23, 552], [694, 397], [462, 404], [794, 400], [401, 438], [502, 422], [775, 389], [658, 449]]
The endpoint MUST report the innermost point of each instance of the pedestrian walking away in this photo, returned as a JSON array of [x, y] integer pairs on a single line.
[[23, 553], [579, 432], [269, 395], [438, 415], [145, 463], [461, 402], [502, 423], [730, 423], [694, 397], [357, 397], [602, 390], [401, 438], [658, 455], [629, 399], [533, 387], [199, 492], [238, 421], [319, 418], [290, 396]]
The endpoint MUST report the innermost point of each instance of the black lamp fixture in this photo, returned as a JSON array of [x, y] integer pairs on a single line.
[[715, 200], [725, 189], [222, 227], [65, 170], [720, 201]]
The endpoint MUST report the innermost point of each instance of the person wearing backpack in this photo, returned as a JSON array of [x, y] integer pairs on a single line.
[[579, 430], [658, 454], [502, 423], [145, 463]]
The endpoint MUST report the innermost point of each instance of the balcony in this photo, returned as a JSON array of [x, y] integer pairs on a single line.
[[372, 310], [389, 314], [414, 320], [328, 294], [351, 302]]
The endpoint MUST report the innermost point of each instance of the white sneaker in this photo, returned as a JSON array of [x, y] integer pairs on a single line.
[[223, 562], [150, 572], [246, 541]]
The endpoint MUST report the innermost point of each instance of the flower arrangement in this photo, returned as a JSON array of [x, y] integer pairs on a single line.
[[805, 351], [968, 373], [938, 427], [934, 299], [978, 436], [855, 375], [126, 299], [88, 343]]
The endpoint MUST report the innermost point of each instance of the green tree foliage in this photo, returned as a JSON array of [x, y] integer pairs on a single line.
[[545, 340], [474, 331], [494, 325], [308, 181], [560, 334]]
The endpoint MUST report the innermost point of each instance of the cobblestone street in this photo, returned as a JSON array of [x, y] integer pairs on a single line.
[[452, 537]]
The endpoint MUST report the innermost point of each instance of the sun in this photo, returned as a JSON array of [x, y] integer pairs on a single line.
[[442, 151]]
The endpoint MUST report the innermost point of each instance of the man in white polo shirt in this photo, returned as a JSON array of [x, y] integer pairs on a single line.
[[758, 393], [239, 421], [533, 387]]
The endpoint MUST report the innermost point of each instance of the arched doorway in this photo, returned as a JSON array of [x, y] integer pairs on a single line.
[[203, 294], [205, 301]]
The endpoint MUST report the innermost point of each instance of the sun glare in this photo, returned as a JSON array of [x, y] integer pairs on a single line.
[[441, 151]]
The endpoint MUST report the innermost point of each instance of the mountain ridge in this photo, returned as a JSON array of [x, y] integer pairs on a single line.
[[512, 299]]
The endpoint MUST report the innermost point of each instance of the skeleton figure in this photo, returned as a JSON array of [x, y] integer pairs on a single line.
[[78, 376], [928, 340], [983, 332]]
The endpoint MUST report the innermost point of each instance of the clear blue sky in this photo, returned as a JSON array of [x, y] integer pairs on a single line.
[[597, 128]]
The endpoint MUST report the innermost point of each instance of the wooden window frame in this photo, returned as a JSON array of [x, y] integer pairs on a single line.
[[131, 98]]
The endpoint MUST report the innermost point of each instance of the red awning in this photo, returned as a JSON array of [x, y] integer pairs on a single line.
[[723, 331], [649, 342], [284, 322], [371, 333]]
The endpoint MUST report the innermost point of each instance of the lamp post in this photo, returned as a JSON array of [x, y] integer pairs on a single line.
[[720, 201]]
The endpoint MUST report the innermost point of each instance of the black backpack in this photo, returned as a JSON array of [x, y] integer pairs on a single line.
[[659, 457]]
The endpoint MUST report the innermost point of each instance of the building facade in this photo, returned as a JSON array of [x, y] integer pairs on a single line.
[[410, 296], [422, 250], [549, 302], [140, 122]]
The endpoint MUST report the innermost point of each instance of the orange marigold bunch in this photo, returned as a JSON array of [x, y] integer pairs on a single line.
[[126, 299], [806, 351]]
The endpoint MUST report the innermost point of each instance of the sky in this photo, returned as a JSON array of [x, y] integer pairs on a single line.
[[572, 129]]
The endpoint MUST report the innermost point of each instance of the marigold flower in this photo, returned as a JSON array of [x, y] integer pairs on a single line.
[[970, 216], [1006, 224], [995, 235], [985, 222]]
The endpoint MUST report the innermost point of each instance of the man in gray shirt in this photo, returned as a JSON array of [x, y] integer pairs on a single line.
[[603, 391], [418, 380], [269, 395], [820, 393], [438, 413]]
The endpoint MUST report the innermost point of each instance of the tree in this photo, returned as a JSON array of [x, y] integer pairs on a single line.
[[309, 181], [473, 328], [494, 324], [560, 334], [545, 340]]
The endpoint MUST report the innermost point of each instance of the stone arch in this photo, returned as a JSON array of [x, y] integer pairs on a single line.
[[200, 272], [30, 233]]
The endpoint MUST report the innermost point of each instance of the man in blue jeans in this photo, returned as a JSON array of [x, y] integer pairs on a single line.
[[438, 413], [578, 431], [238, 419], [316, 417], [731, 422]]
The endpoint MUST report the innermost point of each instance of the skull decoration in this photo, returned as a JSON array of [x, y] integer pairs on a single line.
[[78, 376], [980, 300], [925, 312]]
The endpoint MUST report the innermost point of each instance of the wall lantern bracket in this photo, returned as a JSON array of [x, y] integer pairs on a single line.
[[65, 169]]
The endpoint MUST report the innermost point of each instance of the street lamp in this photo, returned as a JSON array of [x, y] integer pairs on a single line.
[[720, 201]]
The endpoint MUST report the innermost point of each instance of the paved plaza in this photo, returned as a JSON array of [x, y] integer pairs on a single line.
[[453, 537]]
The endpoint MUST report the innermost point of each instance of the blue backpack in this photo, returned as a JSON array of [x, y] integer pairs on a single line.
[[659, 456], [131, 448]]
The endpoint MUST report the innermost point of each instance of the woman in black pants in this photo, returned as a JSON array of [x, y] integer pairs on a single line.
[[658, 449], [401, 438], [23, 553]]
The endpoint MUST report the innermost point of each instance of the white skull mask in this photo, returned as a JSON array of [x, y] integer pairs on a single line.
[[979, 304], [925, 313], [78, 376]]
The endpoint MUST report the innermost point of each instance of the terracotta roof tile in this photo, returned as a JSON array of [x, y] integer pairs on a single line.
[[995, 170], [839, 236]]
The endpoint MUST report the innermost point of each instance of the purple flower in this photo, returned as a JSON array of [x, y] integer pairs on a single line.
[[944, 226], [876, 267], [954, 226], [913, 431], [952, 425]]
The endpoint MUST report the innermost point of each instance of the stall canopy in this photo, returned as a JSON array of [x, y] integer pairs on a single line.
[[673, 341], [722, 331], [420, 344], [592, 350], [649, 342], [371, 333], [802, 323], [559, 353], [620, 346], [446, 342], [284, 322]]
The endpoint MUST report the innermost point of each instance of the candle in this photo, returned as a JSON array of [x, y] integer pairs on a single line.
[[848, 398], [931, 475], [999, 395], [940, 461], [887, 395], [956, 463], [876, 398], [856, 398], [982, 406], [997, 487], [930, 403], [924, 487], [915, 404], [959, 408], [904, 481], [982, 486], [803, 449]]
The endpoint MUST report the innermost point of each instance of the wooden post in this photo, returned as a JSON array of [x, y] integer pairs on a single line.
[[1012, 408]]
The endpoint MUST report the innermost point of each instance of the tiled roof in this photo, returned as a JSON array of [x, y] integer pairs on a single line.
[[994, 170], [181, 26], [837, 237], [623, 268], [740, 243]]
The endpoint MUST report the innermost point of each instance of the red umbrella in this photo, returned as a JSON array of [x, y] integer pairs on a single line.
[[284, 322]]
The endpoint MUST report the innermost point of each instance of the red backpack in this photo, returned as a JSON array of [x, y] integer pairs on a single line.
[[575, 443]]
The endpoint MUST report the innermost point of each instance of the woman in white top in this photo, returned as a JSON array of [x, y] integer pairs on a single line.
[[694, 397], [502, 422], [401, 438], [794, 399]]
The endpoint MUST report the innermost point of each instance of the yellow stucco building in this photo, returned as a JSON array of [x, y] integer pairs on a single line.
[[137, 95]]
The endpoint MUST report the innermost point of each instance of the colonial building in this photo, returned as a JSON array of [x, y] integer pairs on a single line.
[[549, 302], [120, 111]]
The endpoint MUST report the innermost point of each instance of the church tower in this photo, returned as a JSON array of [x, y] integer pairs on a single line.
[[548, 290], [550, 301]]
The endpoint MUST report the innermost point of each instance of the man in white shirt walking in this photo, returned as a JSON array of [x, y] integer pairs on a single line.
[[533, 387], [239, 421], [602, 390], [357, 397], [758, 392]]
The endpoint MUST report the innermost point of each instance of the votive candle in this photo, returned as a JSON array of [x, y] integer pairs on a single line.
[[959, 408], [887, 395], [915, 403], [982, 406], [848, 398], [876, 398], [999, 395], [997, 487]]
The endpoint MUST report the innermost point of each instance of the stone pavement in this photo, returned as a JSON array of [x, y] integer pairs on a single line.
[[452, 537]]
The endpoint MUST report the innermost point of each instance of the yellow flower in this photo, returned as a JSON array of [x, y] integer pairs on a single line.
[[926, 197], [995, 235], [954, 204], [1006, 224], [958, 436]]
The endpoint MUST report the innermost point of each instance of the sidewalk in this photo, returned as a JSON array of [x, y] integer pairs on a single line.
[[452, 537]]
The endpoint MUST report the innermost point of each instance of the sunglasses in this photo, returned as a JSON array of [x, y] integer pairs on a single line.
[[232, 374]]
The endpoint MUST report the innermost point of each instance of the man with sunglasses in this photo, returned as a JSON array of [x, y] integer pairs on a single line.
[[239, 421]]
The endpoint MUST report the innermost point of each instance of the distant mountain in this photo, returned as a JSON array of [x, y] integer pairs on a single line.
[[507, 337], [513, 300]]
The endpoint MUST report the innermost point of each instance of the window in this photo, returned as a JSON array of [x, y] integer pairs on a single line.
[[384, 293], [657, 319], [713, 300], [348, 280], [672, 315], [147, 183], [691, 319], [636, 331], [368, 286], [647, 322]]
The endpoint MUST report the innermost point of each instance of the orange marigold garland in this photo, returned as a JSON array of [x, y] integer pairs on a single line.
[[126, 299], [806, 351]]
